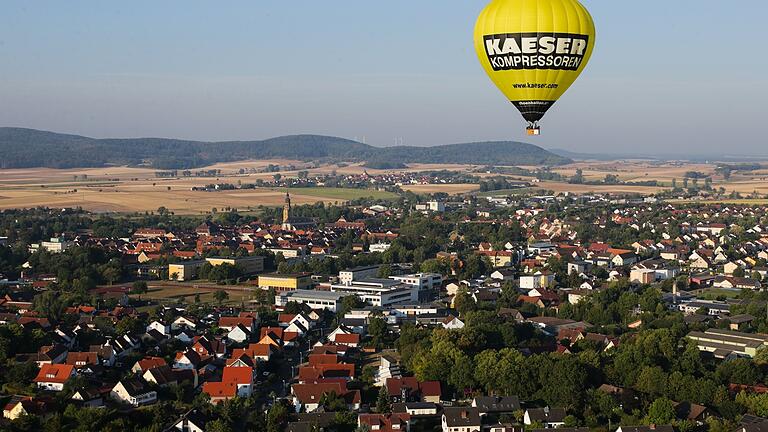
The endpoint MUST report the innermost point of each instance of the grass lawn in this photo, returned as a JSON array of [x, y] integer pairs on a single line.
[[187, 294], [714, 293], [340, 193]]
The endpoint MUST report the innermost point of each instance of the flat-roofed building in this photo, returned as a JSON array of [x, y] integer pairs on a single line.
[[184, 271], [729, 344], [427, 284], [248, 265], [285, 282], [358, 273], [379, 292], [288, 252], [713, 307], [188, 270], [55, 245], [312, 298]]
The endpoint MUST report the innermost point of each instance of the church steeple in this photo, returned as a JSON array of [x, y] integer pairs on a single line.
[[287, 208]]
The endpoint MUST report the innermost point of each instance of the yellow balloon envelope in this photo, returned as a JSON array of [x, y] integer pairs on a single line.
[[533, 50]]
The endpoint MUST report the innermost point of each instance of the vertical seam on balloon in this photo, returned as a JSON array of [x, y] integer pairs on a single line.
[[559, 76], [550, 94], [529, 93]]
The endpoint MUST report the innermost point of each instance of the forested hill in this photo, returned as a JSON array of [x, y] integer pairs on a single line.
[[26, 148]]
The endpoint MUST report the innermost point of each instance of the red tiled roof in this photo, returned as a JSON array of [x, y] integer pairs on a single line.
[[315, 359], [385, 422], [55, 373], [237, 375], [311, 393], [247, 322], [430, 388], [241, 355], [151, 362], [220, 389], [277, 331], [85, 358], [343, 338]]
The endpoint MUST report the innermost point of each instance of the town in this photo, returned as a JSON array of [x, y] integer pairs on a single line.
[[463, 314]]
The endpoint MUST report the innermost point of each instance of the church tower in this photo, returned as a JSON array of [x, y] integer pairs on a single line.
[[287, 209]]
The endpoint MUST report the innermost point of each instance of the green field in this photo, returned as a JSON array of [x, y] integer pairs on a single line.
[[187, 293], [714, 293], [340, 193]]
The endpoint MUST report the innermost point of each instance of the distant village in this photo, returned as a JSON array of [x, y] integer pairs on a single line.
[[462, 314]]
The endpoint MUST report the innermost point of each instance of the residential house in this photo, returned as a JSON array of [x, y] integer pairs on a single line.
[[134, 392], [307, 396], [392, 422], [549, 417], [191, 421], [52, 377], [89, 397], [148, 363], [162, 376], [461, 419], [239, 334]]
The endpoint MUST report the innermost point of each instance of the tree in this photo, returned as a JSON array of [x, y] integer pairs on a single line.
[[348, 303], [377, 328], [292, 307], [220, 296], [50, 304], [661, 411], [463, 302], [139, 287], [761, 358], [111, 273], [382, 402], [652, 380], [333, 402], [128, 325], [218, 425], [276, 417], [435, 266]]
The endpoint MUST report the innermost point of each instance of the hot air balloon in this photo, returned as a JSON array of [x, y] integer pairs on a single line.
[[533, 50]]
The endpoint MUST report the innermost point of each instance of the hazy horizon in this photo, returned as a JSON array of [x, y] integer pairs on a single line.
[[388, 73]]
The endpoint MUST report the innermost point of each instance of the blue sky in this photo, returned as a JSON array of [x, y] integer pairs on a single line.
[[667, 76]]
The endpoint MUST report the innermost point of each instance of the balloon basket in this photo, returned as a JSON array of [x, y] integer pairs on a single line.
[[533, 131]]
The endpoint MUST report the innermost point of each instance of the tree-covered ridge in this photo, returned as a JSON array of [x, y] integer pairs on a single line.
[[26, 148]]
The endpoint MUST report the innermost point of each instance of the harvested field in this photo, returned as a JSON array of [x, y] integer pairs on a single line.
[[451, 189]]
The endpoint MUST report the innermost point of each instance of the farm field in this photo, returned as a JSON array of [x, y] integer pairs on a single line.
[[450, 189], [125, 189], [343, 194], [138, 189]]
